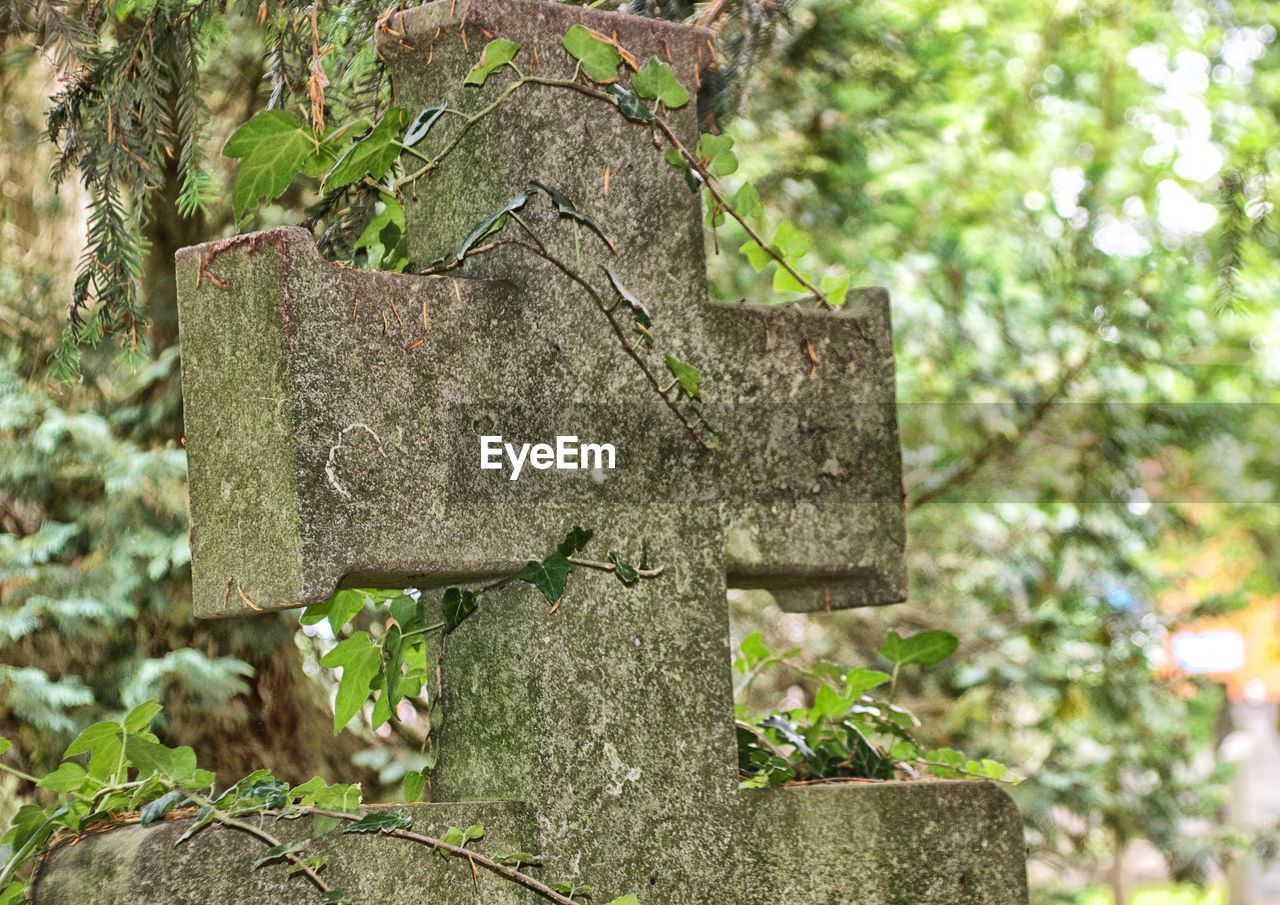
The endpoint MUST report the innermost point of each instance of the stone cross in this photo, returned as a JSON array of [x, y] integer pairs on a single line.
[[334, 425]]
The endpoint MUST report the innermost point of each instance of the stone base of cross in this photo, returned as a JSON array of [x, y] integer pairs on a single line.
[[335, 422]]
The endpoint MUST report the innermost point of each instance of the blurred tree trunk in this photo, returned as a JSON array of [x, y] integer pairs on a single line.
[[167, 232], [1119, 882]]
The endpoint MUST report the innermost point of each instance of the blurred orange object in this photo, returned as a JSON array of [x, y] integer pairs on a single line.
[[1240, 649]]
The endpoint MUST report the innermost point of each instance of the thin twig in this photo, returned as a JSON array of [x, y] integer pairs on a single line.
[[608, 311], [612, 567], [620, 333], [467, 126], [713, 12], [262, 835], [459, 851], [707, 180], [668, 132]]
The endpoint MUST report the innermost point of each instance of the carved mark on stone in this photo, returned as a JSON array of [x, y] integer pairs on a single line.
[[331, 466]]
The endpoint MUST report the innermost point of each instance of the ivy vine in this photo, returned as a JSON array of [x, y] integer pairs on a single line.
[[847, 733], [276, 149], [118, 773]]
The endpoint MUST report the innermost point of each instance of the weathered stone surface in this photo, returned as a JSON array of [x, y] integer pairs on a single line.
[[882, 844], [333, 422], [146, 866], [324, 446], [889, 844]]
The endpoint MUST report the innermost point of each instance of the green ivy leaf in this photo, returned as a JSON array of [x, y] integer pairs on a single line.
[[273, 149], [359, 659], [549, 576], [991, 769], [152, 758], [5, 745], [687, 376], [641, 314], [409, 614], [382, 239], [715, 213], [316, 613], [203, 818], [458, 605], [380, 715], [346, 605], [827, 704], [785, 281], [948, 756], [154, 810], [864, 758], [337, 797], [415, 783], [752, 651], [945, 763], [139, 718], [263, 128], [392, 674], [491, 224], [278, 853], [757, 256], [422, 124], [656, 80], [716, 154], [565, 208], [575, 541], [68, 777], [325, 155], [859, 681], [747, 202], [677, 160], [629, 105], [372, 155], [380, 821], [497, 53], [460, 837], [626, 900], [627, 574], [104, 743], [925, 648], [598, 55], [835, 288], [335, 897], [903, 750], [790, 242], [30, 822]]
